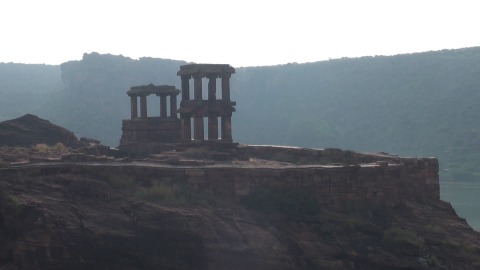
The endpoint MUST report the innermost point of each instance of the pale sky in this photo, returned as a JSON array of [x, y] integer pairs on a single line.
[[240, 33]]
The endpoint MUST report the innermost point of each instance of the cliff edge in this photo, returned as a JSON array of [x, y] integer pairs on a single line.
[[247, 207]]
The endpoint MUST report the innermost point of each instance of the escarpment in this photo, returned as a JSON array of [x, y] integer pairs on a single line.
[[189, 209]]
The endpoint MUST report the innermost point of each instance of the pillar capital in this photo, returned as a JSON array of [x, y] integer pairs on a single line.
[[197, 76], [225, 75], [212, 76]]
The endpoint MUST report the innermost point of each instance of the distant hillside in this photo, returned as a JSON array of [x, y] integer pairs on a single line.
[[26, 88], [422, 104], [95, 102]]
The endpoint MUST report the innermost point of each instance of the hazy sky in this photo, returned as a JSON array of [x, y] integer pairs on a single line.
[[240, 33]]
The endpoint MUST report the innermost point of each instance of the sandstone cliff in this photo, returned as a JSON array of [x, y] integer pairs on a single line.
[[149, 215]]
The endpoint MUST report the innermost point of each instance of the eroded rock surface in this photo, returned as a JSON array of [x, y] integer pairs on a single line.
[[86, 221]]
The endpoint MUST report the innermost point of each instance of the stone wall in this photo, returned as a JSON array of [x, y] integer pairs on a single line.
[[301, 155], [381, 183], [150, 130]]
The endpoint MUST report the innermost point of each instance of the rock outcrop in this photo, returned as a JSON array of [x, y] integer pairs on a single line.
[[248, 213], [29, 130], [83, 221]]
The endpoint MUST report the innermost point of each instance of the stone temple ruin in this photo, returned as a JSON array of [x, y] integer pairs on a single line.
[[184, 151], [212, 108], [145, 129], [147, 134]]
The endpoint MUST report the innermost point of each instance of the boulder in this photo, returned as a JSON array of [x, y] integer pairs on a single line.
[[29, 130]]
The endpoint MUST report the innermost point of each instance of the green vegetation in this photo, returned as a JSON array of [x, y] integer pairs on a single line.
[[292, 201], [465, 248], [403, 238], [9, 200], [174, 194], [160, 193], [59, 147], [44, 148], [41, 148]]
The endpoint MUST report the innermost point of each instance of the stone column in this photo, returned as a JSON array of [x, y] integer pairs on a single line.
[[133, 105], [212, 87], [225, 87], [143, 106], [227, 128], [198, 127], [173, 106], [186, 126], [185, 87], [197, 87], [163, 106], [212, 116]]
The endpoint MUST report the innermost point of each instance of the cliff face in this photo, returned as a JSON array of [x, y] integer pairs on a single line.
[[69, 217]]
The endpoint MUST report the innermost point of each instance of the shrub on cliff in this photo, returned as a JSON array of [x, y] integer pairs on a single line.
[[292, 201], [174, 194], [403, 238]]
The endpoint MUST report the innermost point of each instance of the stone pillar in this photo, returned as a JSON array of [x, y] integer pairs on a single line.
[[197, 87], [212, 116], [133, 105], [198, 127], [212, 126], [225, 87], [143, 106], [163, 106], [227, 128], [185, 87], [212, 87], [186, 126], [173, 106]]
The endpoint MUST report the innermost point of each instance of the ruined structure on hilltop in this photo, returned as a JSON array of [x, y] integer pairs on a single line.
[[159, 129], [145, 134], [213, 108]]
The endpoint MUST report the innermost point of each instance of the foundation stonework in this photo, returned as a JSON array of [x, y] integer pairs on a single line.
[[384, 180]]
